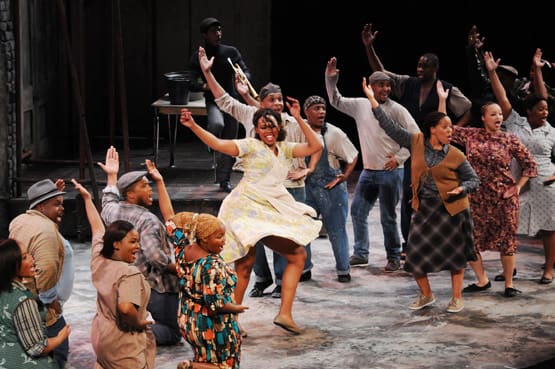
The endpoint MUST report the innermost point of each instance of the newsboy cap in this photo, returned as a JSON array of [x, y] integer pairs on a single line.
[[42, 191], [206, 23], [378, 77], [130, 178]]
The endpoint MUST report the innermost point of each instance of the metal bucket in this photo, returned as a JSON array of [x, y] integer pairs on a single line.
[[178, 84]]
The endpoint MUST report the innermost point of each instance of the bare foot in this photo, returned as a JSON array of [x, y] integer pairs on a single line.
[[185, 364], [242, 330], [287, 324]]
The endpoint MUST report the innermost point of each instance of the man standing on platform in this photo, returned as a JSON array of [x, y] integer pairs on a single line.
[[219, 123], [156, 259]]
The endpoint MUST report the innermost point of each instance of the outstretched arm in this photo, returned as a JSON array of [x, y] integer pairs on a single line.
[[95, 221], [164, 200], [243, 89], [496, 85], [224, 146], [111, 166], [206, 66], [368, 38], [477, 73], [443, 94], [393, 130], [537, 64]]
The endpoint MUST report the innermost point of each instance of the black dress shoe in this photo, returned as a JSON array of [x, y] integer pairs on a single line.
[[306, 276], [501, 277], [276, 293], [511, 292], [475, 288], [226, 186], [258, 288], [344, 278]]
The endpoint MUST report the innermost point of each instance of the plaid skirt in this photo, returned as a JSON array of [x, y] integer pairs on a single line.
[[438, 241]]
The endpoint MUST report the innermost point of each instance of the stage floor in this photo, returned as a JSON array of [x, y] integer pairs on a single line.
[[362, 324]]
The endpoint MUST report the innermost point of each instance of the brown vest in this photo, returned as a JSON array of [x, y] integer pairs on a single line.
[[444, 174]]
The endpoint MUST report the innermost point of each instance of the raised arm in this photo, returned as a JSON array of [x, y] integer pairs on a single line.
[[312, 144], [243, 89], [111, 166], [477, 73], [537, 64], [496, 85], [164, 200], [368, 38], [227, 147], [442, 94], [395, 131], [95, 221], [206, 67]]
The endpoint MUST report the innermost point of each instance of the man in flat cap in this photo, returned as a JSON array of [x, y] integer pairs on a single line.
[[219, 123], [128, 199], [382, 159], [37, 229]]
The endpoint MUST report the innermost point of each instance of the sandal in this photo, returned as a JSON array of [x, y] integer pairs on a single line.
[[185, 364]]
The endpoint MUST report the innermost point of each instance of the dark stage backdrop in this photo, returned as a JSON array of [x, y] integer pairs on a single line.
[[306, 34]]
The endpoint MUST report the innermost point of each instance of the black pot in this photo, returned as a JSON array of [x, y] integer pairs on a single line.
[[178, 84]]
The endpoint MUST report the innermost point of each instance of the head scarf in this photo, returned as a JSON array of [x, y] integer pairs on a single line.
[[313, 100], [187, 227], [269, 88]]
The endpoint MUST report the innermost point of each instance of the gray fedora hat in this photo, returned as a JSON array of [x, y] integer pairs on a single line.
[[129, 178], [42, 191]]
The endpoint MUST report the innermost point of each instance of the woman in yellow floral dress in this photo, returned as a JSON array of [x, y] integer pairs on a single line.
[[260, 208]]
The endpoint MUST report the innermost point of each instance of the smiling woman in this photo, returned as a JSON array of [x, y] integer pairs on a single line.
[[120, 330], [260, 208]]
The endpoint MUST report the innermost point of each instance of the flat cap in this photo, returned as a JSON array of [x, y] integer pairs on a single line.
[[206, 23], [130, 178], [379, 77], [42, 191]]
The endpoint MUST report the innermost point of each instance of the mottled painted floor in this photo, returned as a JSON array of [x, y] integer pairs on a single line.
[[366, 323]]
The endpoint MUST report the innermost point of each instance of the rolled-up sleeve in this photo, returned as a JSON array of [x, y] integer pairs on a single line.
[[30, 328]]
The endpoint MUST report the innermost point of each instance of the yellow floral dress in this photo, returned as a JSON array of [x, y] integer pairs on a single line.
[[260, 205]]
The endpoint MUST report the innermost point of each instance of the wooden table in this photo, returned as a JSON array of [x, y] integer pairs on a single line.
[[162, 106]]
